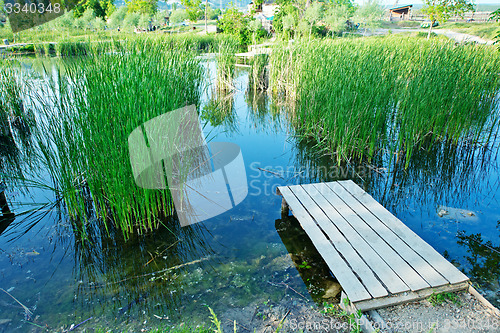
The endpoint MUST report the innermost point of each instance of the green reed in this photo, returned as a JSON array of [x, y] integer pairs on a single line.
[[93, 109], [226, 61], [258, 78], [63, 45], [357, 98]]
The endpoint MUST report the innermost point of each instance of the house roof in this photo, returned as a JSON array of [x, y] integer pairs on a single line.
[[401, 7]]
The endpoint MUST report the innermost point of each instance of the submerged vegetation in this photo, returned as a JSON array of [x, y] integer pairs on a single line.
[[357, 98]]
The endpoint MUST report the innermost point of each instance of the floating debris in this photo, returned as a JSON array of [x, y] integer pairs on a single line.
[[32, 253], [442, 213]]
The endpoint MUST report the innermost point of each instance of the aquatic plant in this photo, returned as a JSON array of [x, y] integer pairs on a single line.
[[85, 125], [226, 61], [258, 79], [357, 98]]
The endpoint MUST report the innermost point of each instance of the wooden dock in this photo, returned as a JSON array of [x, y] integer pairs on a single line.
[[376, 258]]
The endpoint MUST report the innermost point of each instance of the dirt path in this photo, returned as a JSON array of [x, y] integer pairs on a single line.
[[457, 36]]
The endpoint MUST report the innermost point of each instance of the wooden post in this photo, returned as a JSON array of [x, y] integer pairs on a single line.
[[4, 204], [285, 210]]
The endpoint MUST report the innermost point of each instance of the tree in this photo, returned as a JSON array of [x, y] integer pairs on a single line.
[[178, 16], [108, 6], [193, 9], [66, 21], [97, 24], [86, 19], [117, 17], [3, 15], [442, 10], [148, 7], [314, 14], [95, 5], [336, 17], [370, 13], [285, 10], [132, 19], [289, 24], [234, 22]]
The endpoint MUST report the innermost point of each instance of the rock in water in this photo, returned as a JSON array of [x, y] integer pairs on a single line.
[[457, 214], [5, 321], [333, 290], [442, 212]]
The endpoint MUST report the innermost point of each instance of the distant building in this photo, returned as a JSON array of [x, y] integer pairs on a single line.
[[400, 13], [264, 12]]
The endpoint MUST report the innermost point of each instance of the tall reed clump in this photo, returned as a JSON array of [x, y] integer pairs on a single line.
[[258, 78], [85, 128], [226, 61], [72, 48], [359, 97]]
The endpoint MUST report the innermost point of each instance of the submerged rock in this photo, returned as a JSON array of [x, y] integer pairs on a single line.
[[333, 290], [5, 321], [457, 214]]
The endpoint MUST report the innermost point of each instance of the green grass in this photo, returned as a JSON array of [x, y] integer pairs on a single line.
[[80, 42], [359, 98], [438, 299], [85, 126], [334, 310]]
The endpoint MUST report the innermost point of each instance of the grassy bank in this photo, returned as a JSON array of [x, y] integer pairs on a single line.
[[357, 98], [67, 45], [84, 128]]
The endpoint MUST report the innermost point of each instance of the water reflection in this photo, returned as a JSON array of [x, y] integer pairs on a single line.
[[439, 174], [483, 258], [115, 275], [219, 111], [312, 268], [245, 255], [17, 121]]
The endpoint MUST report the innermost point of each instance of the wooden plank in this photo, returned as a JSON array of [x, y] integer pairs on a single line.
[[410, 296], [415, 271], [337, 265], [427, 252], [362, 270], [319, 193], [391, 257]]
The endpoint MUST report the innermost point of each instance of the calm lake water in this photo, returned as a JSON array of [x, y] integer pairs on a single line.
[[244, 255]]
